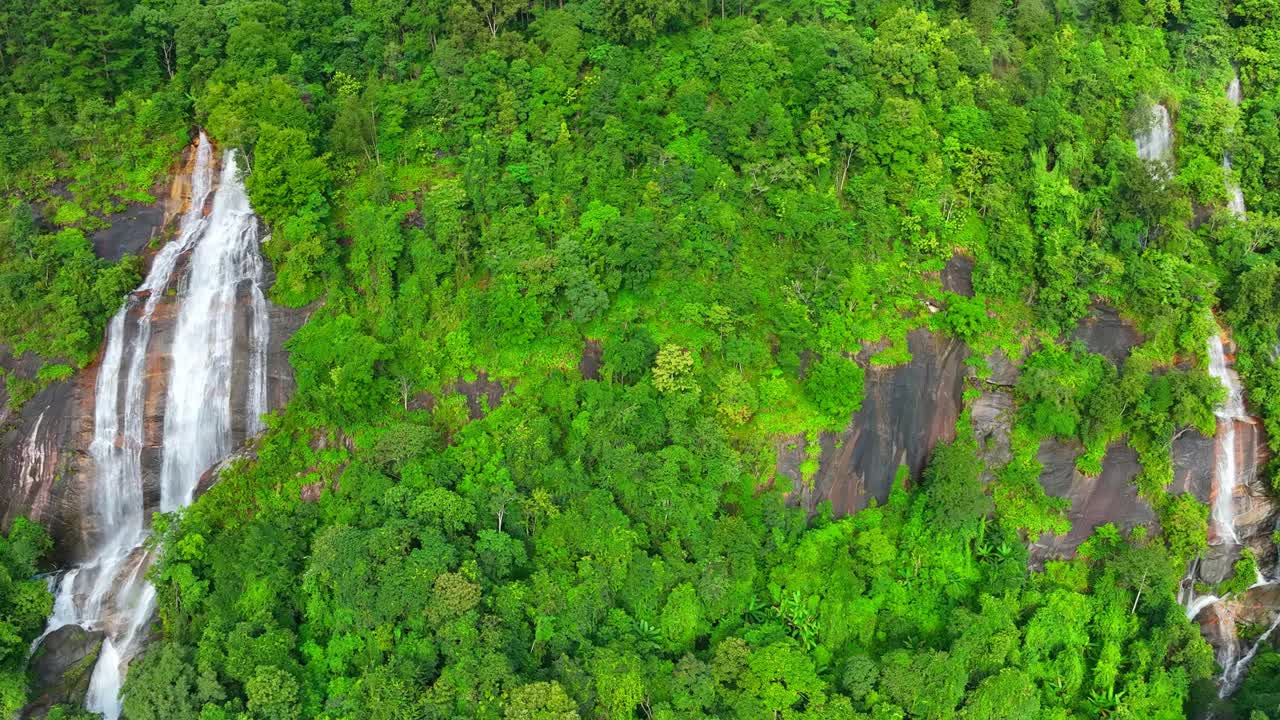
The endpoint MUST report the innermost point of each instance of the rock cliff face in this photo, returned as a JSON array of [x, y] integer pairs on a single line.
[[1110, 497], [1105, 332], [906, 411], [40, 454], [45, 468], [1193, 465]]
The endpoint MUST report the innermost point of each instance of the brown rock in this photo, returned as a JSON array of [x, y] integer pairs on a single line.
[[1110, 497], [1104, 332], [906, 411]]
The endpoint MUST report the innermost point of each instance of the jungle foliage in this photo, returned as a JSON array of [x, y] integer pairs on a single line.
[[731, 201]]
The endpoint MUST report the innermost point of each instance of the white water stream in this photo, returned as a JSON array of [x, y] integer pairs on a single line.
[[1229, 483], [1155, 143], [1228, 480], [1224, 514], [1234, 666], [109, 591], [1235, 196]]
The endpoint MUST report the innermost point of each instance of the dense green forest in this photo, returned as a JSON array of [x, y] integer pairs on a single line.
[[731, 199]]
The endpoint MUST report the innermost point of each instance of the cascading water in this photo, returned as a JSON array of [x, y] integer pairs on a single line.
[[1155, 145], [197, 421], [1229, 483], [1224, 514], [1235, 196], [1233, 672], [1234, 665], [1155, 142], [109, 591]]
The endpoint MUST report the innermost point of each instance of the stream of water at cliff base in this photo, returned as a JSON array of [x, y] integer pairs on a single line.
[[109, 591]]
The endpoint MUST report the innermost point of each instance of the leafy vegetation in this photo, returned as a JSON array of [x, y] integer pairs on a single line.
[[55, 296], [743, 207], [25, 602]]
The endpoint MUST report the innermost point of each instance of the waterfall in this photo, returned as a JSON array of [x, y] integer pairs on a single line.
[[1223, 519], [1223, 515], [1155, 142], [1233, 672], [1233, 666], [1196, 604], [33, 454], [1235, 196], [109, 591], [197, 420]]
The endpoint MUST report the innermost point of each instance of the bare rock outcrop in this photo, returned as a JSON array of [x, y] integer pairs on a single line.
[[1109, 497], [1105, 332], [1193, 465], [906, 411], [41, 455]]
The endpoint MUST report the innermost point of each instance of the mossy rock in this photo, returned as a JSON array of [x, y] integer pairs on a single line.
[[61, 669]]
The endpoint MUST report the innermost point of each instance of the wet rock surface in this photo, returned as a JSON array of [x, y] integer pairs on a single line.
[[1249, 614], [1110, 497], [906, 411], [61, 669], [1217, 563], [43, 451], [1195, 460]]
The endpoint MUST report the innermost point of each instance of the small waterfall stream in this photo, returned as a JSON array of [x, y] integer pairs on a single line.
[[1235, 196], [1228, 480], [1223, 515], [1234, 665], [1229, 483], [109, 591], [1155, 143]]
